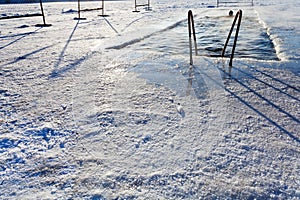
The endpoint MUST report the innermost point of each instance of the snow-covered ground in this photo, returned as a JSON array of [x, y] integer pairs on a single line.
[[109, 108]]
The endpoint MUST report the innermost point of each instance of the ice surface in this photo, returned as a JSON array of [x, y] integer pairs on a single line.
[[109, 108]]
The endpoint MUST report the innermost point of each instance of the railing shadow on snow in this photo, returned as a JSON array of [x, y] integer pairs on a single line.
[[249, 104], [196, 84], [269, 85], [111, 26], [22, 36], [273, 78], [58, 71], [266, 100], [25, 56]]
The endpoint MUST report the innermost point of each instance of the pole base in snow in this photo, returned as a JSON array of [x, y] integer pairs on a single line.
[[136, 11], [103, 15], [43, 25], [79, 18]]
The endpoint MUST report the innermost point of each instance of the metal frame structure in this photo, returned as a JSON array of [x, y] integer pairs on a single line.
[[140, 5], [89, 9], [32, 15]]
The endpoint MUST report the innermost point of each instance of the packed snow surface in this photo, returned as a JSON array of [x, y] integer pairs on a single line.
[[110, 108]]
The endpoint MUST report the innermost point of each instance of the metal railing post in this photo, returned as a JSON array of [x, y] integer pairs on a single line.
[[148, 5], [236, 36], [44, 18], [135, 7], [102, 7], [42, 9], [239, 17], [79, 10], [191, 27], [103, 15], [139, 5]]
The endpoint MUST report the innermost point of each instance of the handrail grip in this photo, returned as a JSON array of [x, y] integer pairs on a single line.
[[237, 16], [191, 28]]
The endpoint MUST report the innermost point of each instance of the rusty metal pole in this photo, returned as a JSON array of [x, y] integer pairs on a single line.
[[103, 15], [191, 27], [79, 9], [44, 18], [102, 7], [229, 35], [135, 7], [239, 17], [42, 9]]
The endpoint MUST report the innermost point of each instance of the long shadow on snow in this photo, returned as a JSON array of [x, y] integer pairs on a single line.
[[25, 56], [139, 39], [269, 85], [134, 21], [264, 98], [57, 72], [113, 28], [23, 35], [295, 71], [248, 104]]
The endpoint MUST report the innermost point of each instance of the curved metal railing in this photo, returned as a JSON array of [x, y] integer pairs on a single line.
[[191, 28], [239, 17]]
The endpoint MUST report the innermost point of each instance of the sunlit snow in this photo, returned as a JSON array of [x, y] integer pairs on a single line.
[[110, 108]]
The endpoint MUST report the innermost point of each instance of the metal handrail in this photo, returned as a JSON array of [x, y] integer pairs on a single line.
[[239, 17], [44, 19], [191, 27]]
